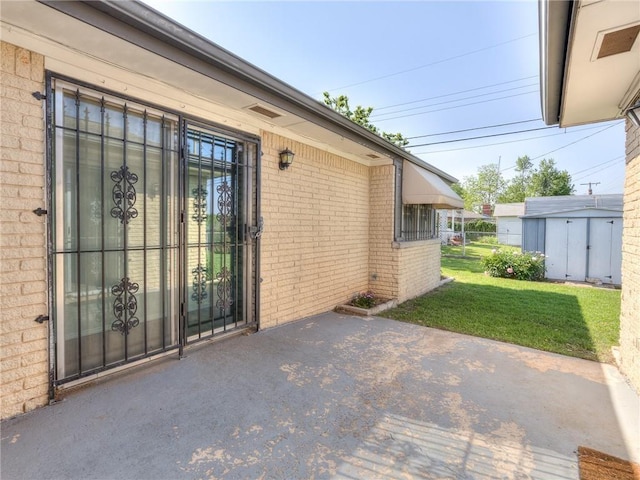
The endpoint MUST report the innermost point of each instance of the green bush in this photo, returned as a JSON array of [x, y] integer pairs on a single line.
[[476, 226], [514, 264]]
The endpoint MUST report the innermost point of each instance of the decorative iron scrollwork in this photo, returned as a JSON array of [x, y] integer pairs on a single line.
[[124, 194], [199, 284], [225, 202], [199, 204], [224, 288], [125, 306]]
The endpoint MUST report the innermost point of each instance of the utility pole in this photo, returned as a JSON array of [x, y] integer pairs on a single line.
[[591, 183]]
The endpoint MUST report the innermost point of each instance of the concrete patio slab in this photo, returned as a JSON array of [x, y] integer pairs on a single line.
[[333, 396]]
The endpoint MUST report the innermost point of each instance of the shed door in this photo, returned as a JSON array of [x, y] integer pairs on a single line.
[[605, 255], [566, 249]]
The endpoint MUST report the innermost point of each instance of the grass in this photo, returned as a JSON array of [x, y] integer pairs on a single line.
[[473, 249], [580, 321]]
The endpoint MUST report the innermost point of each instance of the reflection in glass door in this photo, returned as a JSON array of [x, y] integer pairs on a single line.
[[115, 241], [218, 186]]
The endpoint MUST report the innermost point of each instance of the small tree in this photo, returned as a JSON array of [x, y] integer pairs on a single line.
[[484, 188], [549, 181], [518, 188], [361, 116]]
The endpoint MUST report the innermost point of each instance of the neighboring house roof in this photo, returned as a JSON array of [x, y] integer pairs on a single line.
[[140, 25], [594, 40], [469, 215], [508, 209], [545, 206]]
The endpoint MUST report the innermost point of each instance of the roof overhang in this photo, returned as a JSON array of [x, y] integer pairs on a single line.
[[589, 60], [132, 40], [419, 186]]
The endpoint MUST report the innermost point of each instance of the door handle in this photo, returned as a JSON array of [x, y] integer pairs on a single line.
[[256, 232]]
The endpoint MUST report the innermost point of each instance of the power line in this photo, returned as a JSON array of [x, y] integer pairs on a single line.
[[608, 185], [476, 128], [456, 106], [437, 62], [579, 140], [453, 101], [596, 166], [581, 177], [456, 93], [501, 143], [483, 136]]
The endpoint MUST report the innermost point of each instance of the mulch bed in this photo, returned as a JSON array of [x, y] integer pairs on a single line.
[[595, 465]]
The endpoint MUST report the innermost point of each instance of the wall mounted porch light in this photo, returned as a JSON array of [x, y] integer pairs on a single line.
[[286, 158], [633, 114]]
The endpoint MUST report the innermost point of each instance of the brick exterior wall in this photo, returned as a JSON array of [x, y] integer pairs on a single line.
[[630, 307], [23, 342], [383, 260], [314, 249], [397, 270], [328, 234], [418, 268]]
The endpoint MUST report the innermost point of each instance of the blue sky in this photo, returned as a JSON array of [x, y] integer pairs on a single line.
[[459, 58]]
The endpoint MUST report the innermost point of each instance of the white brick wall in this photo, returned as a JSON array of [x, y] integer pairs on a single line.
[[383, 259], [23, 342], [314, 249], [419, 268], [630, 306]]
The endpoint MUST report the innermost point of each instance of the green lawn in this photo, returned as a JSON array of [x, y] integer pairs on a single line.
[[473, 249], [581, 321]]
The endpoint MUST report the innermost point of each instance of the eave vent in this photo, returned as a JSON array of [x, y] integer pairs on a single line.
[[371, 155], [620, 41], [264, 111]]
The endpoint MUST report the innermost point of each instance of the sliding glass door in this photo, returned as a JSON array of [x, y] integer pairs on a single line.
[[153, 231], [115, 230]]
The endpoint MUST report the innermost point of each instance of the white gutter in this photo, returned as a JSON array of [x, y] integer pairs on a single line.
[[554, 18]]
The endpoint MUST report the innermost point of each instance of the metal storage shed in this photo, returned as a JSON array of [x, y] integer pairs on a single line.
[[581, 235]]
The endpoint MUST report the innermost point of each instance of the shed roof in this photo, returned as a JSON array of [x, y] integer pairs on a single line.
[[509, 209], [541, 206]]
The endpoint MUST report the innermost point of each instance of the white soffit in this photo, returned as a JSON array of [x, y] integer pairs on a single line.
[[419, 186], [596, 86]]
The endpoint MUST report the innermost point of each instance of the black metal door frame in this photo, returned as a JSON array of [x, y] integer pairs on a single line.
[[243, 202], [248, 232]]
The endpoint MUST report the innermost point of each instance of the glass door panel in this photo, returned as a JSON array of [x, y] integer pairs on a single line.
[[214, 223], [115, 209]]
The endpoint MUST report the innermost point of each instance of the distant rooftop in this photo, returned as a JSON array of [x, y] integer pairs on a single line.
[[509, 209]]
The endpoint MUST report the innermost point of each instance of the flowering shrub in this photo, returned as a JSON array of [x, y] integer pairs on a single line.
[[364, 300], [513, 264]]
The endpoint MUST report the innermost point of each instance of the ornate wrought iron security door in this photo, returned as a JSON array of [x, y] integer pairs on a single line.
[[219, 206], [115, 230], [153, 231]]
